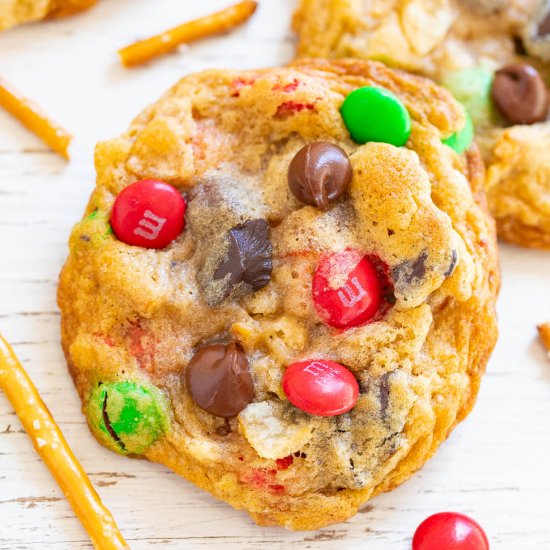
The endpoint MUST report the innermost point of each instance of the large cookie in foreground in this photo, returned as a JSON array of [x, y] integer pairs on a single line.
[[494, 55], [16, 12], [322, 321]]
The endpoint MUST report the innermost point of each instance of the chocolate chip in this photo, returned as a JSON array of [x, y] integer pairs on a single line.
[[410, 270], [248, 259], [520, 94], [319, 173], [219, 381]]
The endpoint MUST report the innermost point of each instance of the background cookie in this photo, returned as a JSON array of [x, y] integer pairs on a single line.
[[464, 45], [15, 12], [137, 322]]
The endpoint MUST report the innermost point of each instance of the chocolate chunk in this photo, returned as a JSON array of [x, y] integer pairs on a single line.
[[248, 257], [319, 173], [411, 270], [520, 94], [219, 381]]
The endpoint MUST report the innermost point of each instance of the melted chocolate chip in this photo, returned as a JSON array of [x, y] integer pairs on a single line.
[[411, 270], [520, 94], [219, 381], [248, 259], [319, 173]]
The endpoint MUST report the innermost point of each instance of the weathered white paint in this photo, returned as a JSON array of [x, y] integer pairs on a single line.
[[495, 466]]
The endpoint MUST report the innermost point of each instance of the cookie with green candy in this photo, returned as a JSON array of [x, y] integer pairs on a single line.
[[472, 87], [128, 417], [384, 232]]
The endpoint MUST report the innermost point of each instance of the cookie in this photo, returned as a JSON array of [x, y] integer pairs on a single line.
[[493, 55], [306, 317], [16, 12]]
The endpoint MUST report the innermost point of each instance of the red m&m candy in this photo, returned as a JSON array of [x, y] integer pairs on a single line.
[[347, 290], [450, 531], [319, 387], [148, 213]]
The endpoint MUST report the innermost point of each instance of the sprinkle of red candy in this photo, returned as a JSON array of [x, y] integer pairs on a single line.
[[450, 531], [238, 84], [289, 108], [320, 387], [284, 463], [148, 213], [287, 88], [260, 478], [347, 289]]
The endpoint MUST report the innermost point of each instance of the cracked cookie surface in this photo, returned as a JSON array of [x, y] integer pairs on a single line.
[[461, 44], [133, 319]]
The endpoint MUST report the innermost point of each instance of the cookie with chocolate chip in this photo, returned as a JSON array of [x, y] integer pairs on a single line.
[[16, 12], [304, 318], [494, 56]]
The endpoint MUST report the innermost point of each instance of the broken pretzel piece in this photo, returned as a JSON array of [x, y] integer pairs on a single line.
[[210, 25], [31, 116]]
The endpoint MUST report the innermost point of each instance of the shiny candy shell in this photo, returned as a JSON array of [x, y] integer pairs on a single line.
[[128, 416], [375, 114], [347, 290], [148, 213], [450, 531], [320, 387]]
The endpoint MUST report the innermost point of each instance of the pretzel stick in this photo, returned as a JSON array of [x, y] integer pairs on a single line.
[[213, 24], [34, 119], [50, 444]]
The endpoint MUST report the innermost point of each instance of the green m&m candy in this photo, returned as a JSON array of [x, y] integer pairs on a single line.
[[128, 417], [374, 114], [461, 140], [472, 87]]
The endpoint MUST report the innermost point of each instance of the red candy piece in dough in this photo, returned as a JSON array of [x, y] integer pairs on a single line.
[[148, 213], [321, 388], [450, 531], [347, 290]]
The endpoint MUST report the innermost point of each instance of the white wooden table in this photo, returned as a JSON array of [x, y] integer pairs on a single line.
[[496, 466]]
